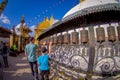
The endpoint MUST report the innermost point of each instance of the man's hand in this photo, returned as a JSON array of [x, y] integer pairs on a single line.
[[26, 58], [50, 47], [38, 64], [44, 43]]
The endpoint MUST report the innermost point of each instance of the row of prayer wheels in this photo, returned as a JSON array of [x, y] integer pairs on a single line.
[[68, 38], [74, 37], [100, 32]]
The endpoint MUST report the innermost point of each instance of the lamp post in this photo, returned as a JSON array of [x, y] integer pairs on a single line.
[[2, 6]]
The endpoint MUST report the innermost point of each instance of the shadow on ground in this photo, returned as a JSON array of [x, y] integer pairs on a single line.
[[18, 69]]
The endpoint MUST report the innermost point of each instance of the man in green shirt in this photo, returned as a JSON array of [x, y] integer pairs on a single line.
[[30, 54]]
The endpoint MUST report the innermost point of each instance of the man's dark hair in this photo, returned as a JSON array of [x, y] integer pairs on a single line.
[[43, 49]]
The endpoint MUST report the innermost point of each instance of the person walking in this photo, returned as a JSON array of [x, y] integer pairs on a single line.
[[30, 54], [4, 54], [43, 61]]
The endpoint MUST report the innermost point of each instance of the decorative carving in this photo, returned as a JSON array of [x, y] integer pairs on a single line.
[[105, 65]]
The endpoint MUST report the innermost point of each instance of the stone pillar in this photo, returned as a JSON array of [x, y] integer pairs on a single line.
[[22, 43], [91, 53], [12, 37], [19, 43], [91, 35], [11, 40]]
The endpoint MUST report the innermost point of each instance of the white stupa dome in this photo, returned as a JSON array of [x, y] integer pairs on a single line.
[[55, 21], [87, 4], [18, 26]]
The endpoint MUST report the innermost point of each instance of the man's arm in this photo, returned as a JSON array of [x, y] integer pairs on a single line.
[[26, 55], [38, 61], [50, 47]]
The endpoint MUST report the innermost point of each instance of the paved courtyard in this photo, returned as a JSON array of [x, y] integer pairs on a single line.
[[18, 69]]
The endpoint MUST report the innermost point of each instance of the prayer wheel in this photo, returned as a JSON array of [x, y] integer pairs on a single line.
[[44, 41], [111, 34], [100, 33], [66, 38], [118, 30], [75, 37], [84, 36], [47, 41], [52, 39], [55, 39], [41, 42], [60, 39]]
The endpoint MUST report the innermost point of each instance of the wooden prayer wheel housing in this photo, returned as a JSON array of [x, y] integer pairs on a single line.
[[84, 36], [47, 41], [55, 39], [66, 38], [41, 42], [111, 34], [60, 39], [100, 33], [118, 30], [52, 39], [75, 37]]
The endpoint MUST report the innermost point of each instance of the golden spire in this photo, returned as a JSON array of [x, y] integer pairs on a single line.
[[52, 19], [45, 19], [81, 1], [22, 21]]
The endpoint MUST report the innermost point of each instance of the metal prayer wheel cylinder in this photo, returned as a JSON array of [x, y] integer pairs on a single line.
[[111, 33], [47, 41], [52, 39], [67, 38], [44, 41], [118, 30], [75, 37], [55, 39], [60, 39], [41, 42], [84, 36], [100, 32]]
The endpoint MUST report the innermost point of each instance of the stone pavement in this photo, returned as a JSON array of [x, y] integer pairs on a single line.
[[18, 69]]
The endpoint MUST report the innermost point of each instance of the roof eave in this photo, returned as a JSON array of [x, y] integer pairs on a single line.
[[84, 12]]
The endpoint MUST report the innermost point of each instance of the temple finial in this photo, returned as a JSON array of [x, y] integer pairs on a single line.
[[22, 21], [81, 1], [51, 17]]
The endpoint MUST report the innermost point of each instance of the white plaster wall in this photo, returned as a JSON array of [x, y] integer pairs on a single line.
[[5, 39]]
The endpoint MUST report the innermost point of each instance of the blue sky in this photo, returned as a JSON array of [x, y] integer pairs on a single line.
[[34, 11]]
